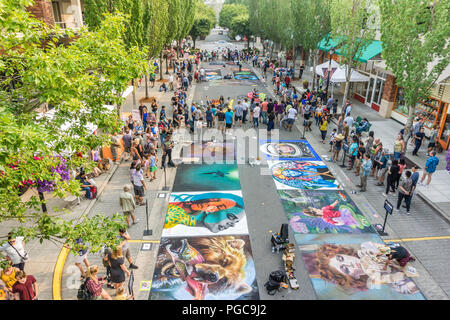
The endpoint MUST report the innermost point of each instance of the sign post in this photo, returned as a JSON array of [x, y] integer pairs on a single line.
[[389, 208], [147, 232]]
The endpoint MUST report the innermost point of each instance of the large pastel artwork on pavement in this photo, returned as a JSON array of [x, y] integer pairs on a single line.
[[207, 213], [245, 75], [309, 175], [323, 211], [194, 177], [210, 151], [288, 150], [204, 268], [356, 272], [213, 74]]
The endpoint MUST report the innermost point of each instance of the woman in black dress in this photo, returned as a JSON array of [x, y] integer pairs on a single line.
[[118, 269]]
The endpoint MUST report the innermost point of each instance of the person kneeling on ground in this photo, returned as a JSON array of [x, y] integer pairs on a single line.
[[400, 254]]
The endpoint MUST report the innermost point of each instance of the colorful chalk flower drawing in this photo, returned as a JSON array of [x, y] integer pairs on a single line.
[[204, 268], [213, 74], [302, 175], [194, 177], [323, 211], [288, 150], [209, 213], [356, 272]]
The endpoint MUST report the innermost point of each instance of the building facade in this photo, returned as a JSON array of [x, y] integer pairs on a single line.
[[64, 13]]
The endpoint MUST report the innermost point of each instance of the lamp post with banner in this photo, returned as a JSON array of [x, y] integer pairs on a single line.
[[330, 71]]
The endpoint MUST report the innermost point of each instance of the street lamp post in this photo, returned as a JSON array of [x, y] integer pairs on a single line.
[[331, 52]]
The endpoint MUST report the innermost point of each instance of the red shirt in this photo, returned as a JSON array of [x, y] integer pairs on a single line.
[[25, 290], [329, 213], [264, 106]]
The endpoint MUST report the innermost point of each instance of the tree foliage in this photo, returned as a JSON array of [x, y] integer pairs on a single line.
[[204, 21], [228, 12], [352, 25], [79, 77], [415, 45]]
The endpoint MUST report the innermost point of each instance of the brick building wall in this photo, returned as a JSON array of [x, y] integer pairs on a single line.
[[389, 88], [42, 10]]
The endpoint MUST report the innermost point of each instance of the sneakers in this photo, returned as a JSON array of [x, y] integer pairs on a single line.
[[408, 213], [133, 266], [136, 221], [384, 194], [396, 210]]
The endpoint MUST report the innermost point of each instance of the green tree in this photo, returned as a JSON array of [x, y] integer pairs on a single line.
[[312, 23], [240, 26], [228, 12], [352, 26], [415, 45], [79, 79], [204, 21]]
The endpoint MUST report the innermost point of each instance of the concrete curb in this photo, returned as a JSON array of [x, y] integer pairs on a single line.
[[439, 211], [64, 252]]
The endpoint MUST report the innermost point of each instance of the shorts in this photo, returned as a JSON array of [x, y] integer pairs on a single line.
[[127, 149], [290, 121], [236, 118], [139, 191], [153, 169], [228, 125], [127, 254], [127, 213], [382, 171], [80, 259], [431, 145]]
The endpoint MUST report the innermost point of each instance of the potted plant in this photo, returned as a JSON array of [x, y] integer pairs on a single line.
[[305, 84]]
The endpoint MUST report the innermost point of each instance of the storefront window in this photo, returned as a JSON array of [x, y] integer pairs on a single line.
[[361, 89], [378, 91], [427, 110], [446, 130], [400, 104]]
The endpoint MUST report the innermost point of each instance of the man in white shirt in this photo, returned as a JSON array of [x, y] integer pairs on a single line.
[[15, 251], [202, 74], [139, 185], [292, 113], [256, 113], [349, 119]]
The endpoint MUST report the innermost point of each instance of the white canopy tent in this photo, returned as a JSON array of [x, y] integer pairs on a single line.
[[339, 74]]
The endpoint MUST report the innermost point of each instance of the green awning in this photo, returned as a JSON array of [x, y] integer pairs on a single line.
[[373, 49]]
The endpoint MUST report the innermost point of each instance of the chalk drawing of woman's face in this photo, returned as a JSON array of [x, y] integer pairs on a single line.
[[347, 265]]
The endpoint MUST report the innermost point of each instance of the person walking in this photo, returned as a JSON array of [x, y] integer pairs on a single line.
[[418, 139], [14, 249], [128, 204], [95, 284], [118, 269], [292, 114], [271, 122], [228, 119], [366, 167], [209, 117], [415, 179], [220, 120], [392, 173], [324, 128], [25, 288], [139, 185], [433, 138], [404, 192], [430, 168], [126, 247]]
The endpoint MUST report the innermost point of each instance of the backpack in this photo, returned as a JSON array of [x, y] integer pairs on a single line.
[[84, 293], [93, 192], [277, 276]]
